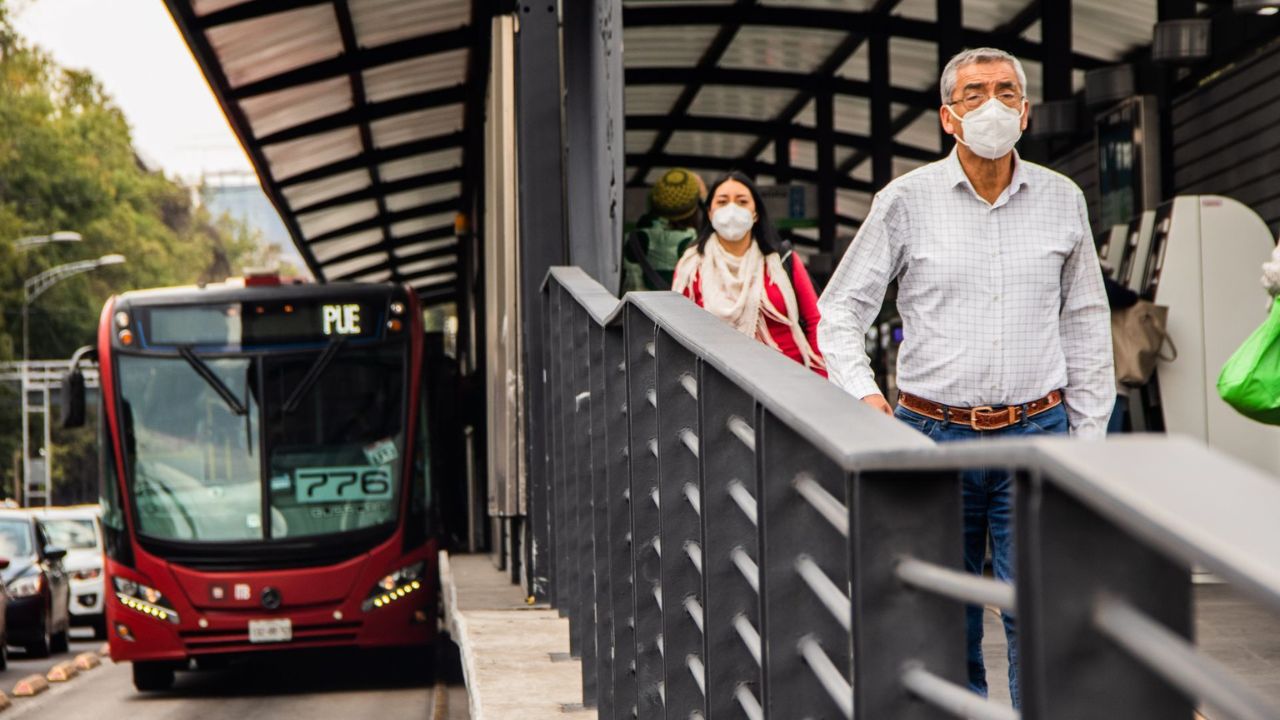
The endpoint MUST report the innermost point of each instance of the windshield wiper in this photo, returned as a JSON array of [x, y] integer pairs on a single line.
[[214, 381], [313, 375]]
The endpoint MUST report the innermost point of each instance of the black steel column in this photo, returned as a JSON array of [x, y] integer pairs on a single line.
[[881, 109], [595, 151], [950, 42], [824, 107], [542, 239], [1055, 40]]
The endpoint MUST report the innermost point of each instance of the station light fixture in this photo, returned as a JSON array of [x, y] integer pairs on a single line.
[[1258, 7], [1185, 40]]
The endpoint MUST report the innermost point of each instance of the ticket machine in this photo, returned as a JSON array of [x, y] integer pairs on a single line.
[[1136, 248], [1204, 261], [1111, 249]]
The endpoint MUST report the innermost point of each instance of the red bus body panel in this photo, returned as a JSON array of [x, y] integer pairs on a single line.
[[324, 603]]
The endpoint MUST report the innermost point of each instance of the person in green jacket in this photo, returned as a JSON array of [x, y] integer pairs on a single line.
[[650, 252]]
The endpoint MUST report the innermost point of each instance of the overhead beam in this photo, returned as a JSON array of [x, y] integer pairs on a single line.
[[441, 233], [370, 112], [384, 220], [452, 141], [360, 60], [864, 22], [729, 28], [752, 167], [827, 69], [770, 128], [415, 182], [776, 79], [253, 11]]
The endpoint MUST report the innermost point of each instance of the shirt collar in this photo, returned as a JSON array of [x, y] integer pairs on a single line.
[[956, 176]]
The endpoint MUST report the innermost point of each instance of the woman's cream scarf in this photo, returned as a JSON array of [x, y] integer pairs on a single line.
[[733, 290]]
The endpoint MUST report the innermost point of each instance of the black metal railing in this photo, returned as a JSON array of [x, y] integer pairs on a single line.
[[731, 536]]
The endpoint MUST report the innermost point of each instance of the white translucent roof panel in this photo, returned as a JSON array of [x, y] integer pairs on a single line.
[[822, 4], [423, 196], [320, 222], [417, 125], [804, 155], [298, 156], [923, 132], [852, 203], [807, 116], [443, 261], [712, 144], [425, 246], [855, 68], [310, 193], [640, 140], [753, 103], [433, 280], [917, 9], [415, 165], [758, 47], [418, 75], [346, 267], [254, 49], [651, 99], [330, 249], [204, 7], [378, 22], [376, 276], [913, 64], [989, 14], [422, 224], [853, 114], [666, 46], [766, 155], [272, 112]]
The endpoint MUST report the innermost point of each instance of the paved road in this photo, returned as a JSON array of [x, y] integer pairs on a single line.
[[341, 685]]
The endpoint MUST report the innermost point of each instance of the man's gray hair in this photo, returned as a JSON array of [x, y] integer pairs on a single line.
[[978, 55]]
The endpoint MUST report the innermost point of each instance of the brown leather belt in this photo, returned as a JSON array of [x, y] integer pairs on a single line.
[[981, 418]]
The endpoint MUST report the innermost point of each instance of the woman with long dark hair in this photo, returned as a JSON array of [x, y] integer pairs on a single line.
[[739, 273]]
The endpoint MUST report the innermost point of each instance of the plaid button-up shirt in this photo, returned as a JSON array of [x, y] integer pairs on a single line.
[[1001, 303]]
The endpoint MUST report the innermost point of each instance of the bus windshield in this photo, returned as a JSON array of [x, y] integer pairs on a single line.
[[263, 464]]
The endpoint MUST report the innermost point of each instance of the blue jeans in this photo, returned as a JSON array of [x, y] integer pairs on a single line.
[[988, 508]]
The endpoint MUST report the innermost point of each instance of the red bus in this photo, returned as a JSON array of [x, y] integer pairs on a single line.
[[265, 478]]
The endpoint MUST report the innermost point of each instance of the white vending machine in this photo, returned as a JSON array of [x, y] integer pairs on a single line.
[[1205, 261]]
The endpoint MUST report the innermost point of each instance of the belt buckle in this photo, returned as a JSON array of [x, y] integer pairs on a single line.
[[973, 416]]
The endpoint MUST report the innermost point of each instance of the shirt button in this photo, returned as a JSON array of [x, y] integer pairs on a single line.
[[995, 298]]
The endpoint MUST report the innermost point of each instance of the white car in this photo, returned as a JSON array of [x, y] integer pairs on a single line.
[[79, 531]]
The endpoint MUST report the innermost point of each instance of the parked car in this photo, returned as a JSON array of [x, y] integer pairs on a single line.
[[77, 530], [38, 615]]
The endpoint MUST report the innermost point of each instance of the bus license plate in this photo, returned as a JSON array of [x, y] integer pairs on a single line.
[[269, 631]]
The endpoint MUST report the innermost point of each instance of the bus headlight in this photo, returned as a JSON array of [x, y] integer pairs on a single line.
[[145, 600], [26, 586], [395, 586]]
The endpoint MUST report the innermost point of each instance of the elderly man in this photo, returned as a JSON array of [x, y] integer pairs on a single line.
[[1006, 325]]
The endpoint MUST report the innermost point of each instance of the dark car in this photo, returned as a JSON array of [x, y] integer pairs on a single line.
[[38, 615]]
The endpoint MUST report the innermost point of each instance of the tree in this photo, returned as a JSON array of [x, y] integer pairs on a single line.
[[67, 161]]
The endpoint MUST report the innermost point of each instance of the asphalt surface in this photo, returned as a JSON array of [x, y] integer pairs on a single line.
[[343, 685]]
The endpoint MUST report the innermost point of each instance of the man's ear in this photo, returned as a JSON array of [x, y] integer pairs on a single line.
[[947, 119], [1026, 115]]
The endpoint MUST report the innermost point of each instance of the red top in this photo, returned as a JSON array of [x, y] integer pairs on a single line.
[[806, 307]]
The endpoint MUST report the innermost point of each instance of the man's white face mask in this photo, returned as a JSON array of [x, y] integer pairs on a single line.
[[992, 130]]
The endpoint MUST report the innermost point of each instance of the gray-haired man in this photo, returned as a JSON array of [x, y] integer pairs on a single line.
[[1006, 326]]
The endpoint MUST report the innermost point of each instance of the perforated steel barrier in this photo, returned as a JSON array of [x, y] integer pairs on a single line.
[[731, 536]]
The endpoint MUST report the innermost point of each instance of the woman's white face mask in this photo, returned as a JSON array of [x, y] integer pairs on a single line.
[[992, 130], [732, 222]]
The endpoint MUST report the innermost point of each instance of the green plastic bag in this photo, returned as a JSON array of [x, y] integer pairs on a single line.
[[1250, 381]]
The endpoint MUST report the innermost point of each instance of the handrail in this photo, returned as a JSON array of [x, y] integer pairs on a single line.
[[810, 523]]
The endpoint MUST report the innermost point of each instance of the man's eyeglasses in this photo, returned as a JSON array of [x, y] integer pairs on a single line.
[[975, 100]]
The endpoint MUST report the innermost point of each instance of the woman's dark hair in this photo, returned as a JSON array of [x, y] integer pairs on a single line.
[[765, 234]]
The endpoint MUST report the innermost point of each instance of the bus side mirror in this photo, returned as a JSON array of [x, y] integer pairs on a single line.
[[73, 389], [73, 399]]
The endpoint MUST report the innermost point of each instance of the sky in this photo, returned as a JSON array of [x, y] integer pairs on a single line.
[[137, 53]]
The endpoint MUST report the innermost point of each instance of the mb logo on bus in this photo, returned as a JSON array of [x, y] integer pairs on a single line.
[[341, 319]]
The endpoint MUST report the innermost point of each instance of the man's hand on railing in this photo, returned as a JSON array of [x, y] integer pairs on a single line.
[[878, 402]]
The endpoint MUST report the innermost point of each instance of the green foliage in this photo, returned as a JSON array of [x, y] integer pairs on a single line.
[[67, 162]]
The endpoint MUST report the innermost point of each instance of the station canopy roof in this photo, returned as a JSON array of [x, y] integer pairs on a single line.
[[354, 112], [712, 83]]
